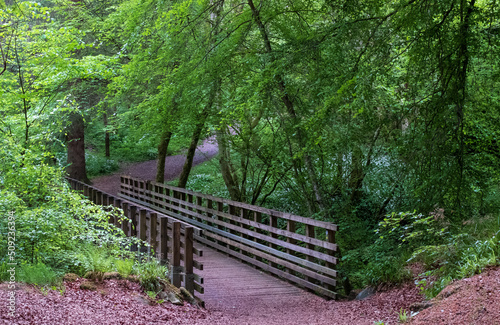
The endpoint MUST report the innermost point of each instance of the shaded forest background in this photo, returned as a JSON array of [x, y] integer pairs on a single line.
[[382, 117]]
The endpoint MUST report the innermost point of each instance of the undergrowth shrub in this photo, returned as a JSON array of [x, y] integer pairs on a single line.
[[124, 266], [99, 165], [151, 273], [460, 257], [95, 260], [38, 274], [206, 178], [50, 222], [446, 250]]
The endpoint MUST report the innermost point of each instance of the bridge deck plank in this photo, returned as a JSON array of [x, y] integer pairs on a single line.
[[232, 286]]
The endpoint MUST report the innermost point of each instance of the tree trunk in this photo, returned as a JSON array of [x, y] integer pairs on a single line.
[[162, 154], [190, 153], [76, 148], [461, 92], [229, 177]]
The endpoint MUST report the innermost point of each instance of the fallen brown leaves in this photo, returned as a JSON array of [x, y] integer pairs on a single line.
[[474, 300], [469, 301], [114, 302]]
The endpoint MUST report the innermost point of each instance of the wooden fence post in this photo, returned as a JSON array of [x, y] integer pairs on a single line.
[[133, 220], [257, 217], [310, 233], [118, 204], [188, 260], [199, 202], [273, 222], [211, 207], [176, 255], [147, 191], [125, 222], [141, 231], [104, 199], [163, 253], [89, 193], [153, 219], [220, 208], [331, 239], [98, 197], [290, 226]]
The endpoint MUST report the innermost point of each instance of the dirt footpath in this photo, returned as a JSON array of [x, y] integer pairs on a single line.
[[147, 170]]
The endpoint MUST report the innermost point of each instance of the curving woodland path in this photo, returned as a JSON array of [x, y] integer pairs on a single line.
[[147, 170], [237, 293]]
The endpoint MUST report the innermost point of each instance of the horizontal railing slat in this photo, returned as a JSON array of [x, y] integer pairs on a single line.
[[289, 234], [248, 242], [266, 267], [279, 214], [274, 259]]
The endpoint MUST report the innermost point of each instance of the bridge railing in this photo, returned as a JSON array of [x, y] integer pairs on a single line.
[[171, 240], [298, 249]]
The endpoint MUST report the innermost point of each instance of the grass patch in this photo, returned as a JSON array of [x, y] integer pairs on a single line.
[[38, 274], [206, 178]]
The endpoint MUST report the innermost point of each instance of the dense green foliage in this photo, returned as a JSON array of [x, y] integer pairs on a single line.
[[345, 111], [47, 223]]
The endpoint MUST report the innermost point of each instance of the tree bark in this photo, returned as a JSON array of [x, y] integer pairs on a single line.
[[162, 154], [76, 148], [461, 91], [229, 177], [190, 153]]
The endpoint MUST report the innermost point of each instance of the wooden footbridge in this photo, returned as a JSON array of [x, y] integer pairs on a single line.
[[217, 248]]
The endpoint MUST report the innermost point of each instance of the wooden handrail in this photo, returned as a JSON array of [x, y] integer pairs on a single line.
[[299, 249]]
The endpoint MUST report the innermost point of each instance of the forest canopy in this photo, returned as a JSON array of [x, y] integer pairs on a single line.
[[345, 111]]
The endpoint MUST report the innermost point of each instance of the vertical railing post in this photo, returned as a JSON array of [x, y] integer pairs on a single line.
[[188, 260], [176, 255], [199, 202], [220, 208], [273, 222], [94, 195], [182, 197], [141, 233], [163, 240], [147, 191], [310, 233], [257, 217], [118, 204], [211, 207], [153, 219], [98, 197], [190, 199], [290, 226], [331, 239], [133, 220], [123, 181], [90, 194], [168, 193], [156, 191], [124, 224]]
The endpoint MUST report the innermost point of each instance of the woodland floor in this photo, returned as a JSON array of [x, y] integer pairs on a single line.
[[474, 300]]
